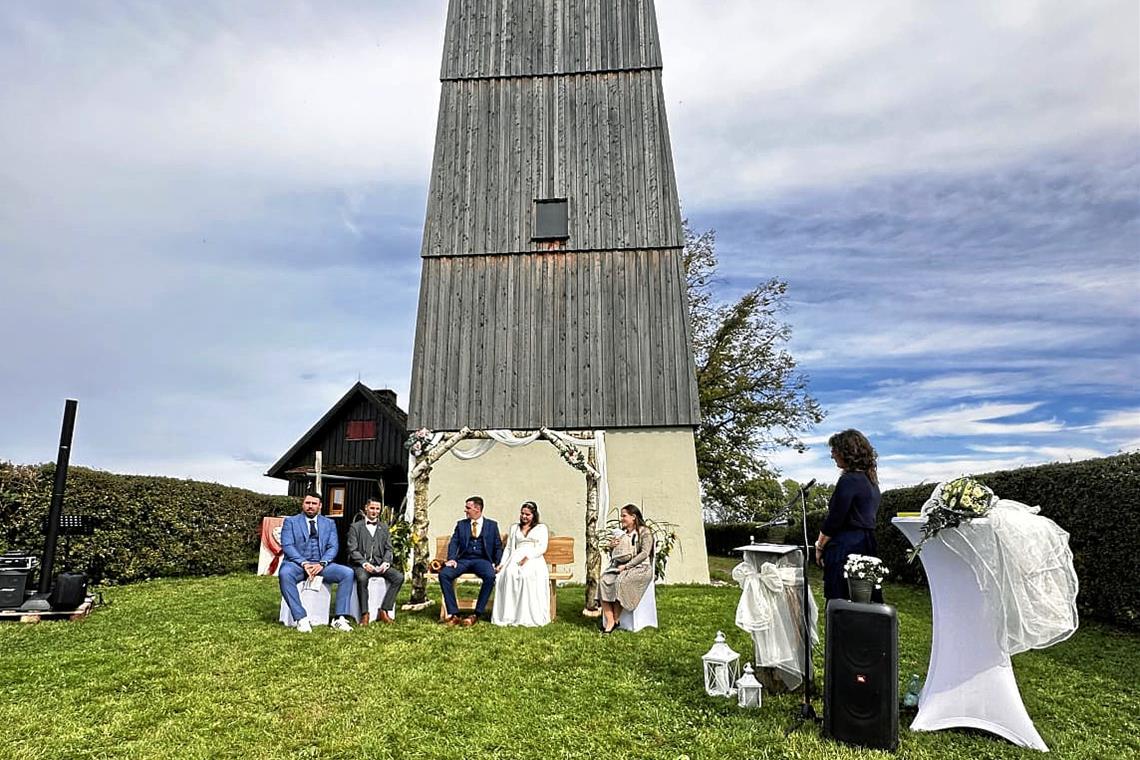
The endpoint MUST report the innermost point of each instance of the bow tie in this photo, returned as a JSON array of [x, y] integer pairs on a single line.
[[371, 522]]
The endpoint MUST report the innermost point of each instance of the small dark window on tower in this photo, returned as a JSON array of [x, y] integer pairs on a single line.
[[361, 430], [550, 219]]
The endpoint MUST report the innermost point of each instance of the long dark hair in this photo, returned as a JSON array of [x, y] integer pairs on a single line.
[[533, 510], [856, 452], [633, 510]]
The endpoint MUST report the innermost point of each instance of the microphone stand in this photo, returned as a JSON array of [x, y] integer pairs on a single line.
[[806, 711]]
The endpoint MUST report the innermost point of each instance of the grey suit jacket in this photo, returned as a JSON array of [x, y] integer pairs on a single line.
[[363, 547]]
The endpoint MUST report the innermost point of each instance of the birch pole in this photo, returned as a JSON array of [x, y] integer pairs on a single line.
[[593, 556], [420, 477]]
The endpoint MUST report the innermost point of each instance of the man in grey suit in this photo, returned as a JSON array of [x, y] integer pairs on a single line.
[[370, 554]]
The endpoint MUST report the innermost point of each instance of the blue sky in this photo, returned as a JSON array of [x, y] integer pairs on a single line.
[[207, 209]]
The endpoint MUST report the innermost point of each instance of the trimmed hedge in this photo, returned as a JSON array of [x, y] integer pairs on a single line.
[[148, 527], [721, 539], [1097, 501]]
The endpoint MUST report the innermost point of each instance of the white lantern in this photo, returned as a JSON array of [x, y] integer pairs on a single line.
[[722, 668], [748, 688]]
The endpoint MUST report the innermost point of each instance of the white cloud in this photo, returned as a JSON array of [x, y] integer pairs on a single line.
[[980, 419], [833, 92]]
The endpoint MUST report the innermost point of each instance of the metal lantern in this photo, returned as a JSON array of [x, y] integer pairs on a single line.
[[748, 688], [722, 668]]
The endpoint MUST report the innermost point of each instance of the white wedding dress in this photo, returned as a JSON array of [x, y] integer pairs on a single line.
[[522, 592]]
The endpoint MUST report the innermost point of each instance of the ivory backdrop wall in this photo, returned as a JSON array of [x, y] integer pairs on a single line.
[[655, 468]]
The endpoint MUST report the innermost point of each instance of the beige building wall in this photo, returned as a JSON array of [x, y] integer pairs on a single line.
[[654, 468]]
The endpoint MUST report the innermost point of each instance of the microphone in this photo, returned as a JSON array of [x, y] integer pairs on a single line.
[[781, 521], [809, 485]]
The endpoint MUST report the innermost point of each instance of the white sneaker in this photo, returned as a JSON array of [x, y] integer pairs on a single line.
[[340, 624], [304, 626]]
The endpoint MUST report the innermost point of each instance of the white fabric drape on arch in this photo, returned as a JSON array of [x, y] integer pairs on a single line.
[[507, 438]]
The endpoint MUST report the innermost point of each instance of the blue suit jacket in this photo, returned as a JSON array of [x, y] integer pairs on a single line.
[[295, 538], [461, 539]]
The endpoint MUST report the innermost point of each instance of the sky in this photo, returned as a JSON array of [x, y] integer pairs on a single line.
[[210, 218]]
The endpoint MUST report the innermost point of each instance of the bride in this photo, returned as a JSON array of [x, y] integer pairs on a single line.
[[522, 589]]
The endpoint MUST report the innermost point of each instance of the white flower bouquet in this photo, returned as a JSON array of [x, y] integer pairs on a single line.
[[951, 504], [865, 568], [419, 442]]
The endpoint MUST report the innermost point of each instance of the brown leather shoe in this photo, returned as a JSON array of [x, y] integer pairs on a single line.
[[384, 617], [470, 620], [364, 619], [451, 621]]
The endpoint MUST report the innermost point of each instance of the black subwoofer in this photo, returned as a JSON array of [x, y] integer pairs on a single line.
[[12, 585], [69, 592], [861, 674]]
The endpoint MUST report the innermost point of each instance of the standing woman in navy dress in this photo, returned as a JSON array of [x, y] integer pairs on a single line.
[[850, 524]]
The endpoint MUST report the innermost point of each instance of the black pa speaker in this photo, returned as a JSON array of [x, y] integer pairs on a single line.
[[12, 586], [861, 672], [70, 591]]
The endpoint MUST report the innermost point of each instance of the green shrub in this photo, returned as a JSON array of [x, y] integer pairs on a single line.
[[147, 527], [721, 539]]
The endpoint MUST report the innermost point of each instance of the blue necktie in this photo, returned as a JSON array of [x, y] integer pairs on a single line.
[[312, 528]]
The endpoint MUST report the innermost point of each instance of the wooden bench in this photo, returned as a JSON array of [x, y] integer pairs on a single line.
[[559, 552]]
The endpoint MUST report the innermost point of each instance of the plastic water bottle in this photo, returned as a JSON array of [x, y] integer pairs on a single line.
[[913, 687]]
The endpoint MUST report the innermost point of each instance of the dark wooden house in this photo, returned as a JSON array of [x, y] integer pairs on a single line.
[[361, 440]]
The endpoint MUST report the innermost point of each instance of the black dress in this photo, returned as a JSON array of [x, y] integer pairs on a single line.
[[850, 523]]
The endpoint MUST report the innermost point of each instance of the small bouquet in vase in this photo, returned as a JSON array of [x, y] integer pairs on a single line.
[[865, 568], [951, 504]]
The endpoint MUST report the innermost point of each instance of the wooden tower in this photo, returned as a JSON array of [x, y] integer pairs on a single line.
[[552, 290]]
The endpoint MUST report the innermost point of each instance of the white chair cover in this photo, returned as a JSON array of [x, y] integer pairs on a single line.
[[377, 587], [642, 616], [316, 603]]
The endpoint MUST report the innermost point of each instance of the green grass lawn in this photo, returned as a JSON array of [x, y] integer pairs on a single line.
[[199, 667]]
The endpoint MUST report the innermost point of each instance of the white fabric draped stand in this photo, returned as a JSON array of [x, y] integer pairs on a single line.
[[771, 608], [999, 585]]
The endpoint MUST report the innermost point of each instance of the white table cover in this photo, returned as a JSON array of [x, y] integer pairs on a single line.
[[970, 681], [774, 615]]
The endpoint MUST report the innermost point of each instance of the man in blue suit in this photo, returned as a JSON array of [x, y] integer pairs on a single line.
[[475, 547], [309, 544]]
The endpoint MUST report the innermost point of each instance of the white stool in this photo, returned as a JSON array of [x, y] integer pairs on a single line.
[[642, 616], [316, 604]]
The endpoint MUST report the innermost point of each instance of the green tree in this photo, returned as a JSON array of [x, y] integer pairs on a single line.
[[753, 401]]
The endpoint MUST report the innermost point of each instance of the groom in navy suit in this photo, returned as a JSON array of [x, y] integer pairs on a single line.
[[309, 543], [475, 547]]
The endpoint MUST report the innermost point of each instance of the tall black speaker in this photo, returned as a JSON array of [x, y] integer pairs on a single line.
[[69, 592], [861, 672]]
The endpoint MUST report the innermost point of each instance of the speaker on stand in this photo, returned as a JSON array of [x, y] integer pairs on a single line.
[[861, 672]]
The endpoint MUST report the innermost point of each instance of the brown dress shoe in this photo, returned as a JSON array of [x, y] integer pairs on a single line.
[[384, 617], [364, 619], [470, 620], [451, 621]]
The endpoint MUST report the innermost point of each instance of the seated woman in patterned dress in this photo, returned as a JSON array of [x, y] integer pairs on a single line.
[[630, 569]]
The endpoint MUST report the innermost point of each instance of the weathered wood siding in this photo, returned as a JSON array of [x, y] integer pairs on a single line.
[[569, 340], [496, 38], [599, 140], [552, 99]]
